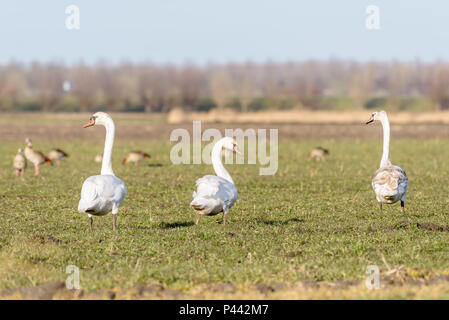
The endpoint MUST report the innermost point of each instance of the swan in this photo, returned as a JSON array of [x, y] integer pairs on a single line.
[[20, 163], [389, 182], [218, 193], [135, 156], [105, 192], [35, 157]]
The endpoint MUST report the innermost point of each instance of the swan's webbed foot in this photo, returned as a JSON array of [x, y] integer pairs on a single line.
[[403, 206]]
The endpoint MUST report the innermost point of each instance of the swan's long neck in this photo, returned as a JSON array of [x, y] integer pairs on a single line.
[[386, 146], [220, 170], [106, 165]]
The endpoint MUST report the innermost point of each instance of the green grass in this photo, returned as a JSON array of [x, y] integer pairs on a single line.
[[315, 221]]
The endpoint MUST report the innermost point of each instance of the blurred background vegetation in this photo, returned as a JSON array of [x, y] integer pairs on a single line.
[[144, 87]]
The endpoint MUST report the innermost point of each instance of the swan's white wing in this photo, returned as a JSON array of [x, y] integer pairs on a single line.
[[213, 193], [100, 193], [390, 183]]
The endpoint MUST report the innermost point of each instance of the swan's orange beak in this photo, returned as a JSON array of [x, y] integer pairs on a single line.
[[90, 123], [236, 150]]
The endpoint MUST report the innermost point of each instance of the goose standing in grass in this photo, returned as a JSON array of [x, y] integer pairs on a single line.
[[20, 163], [218, 193], [135, 156], [98, 158], [389, 182], [105, 192], [319, 154], [57, 155], [35, 157]]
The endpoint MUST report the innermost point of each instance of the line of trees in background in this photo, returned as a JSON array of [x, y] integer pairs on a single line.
[[315, 85]]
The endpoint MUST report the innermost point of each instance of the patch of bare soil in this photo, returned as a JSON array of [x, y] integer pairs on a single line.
[[393, 280]]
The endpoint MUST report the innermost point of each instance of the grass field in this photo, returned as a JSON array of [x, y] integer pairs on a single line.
[[310, 231]]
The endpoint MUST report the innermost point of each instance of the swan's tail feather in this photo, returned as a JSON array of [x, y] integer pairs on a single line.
[[201, 203]]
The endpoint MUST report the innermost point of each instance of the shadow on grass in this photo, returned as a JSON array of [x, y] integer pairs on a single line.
[[155, 165], [177, 224], [279, 222]]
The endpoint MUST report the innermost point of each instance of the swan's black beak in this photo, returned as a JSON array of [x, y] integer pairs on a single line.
[[370, 120], [90, 123]]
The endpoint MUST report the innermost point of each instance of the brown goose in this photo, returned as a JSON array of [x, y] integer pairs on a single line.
[[57, 155], [99, 158], [20, 163], [318, 154], [135, 156], [35, 157]]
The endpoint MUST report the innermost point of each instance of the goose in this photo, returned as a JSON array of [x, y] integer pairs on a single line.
[[135, 156], [57, 155], [105, 192], [218, 193], [318, 154], [35, 157], [20, 162], [389, 182], [98, 158]]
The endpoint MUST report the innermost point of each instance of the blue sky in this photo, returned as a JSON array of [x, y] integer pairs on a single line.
[[203, 31]]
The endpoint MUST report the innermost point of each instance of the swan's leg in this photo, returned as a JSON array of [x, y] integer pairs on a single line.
[[17, 172], [22, 172], [91, 222], [403, 206], [380, 206], [225, 213], [114, 217], [36, 170], [198, 217], [136, 164], [114, 222]]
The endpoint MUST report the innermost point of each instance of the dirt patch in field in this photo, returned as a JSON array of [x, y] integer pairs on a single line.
[[406, 224], [397, 282]]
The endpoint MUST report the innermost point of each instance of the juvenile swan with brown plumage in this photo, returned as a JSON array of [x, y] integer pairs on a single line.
[[389, 182]]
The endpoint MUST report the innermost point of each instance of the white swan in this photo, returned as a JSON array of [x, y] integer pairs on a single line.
[[218, 193], [105, 192], [389, 182]]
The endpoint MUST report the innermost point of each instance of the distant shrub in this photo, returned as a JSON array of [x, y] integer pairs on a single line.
[[286, 103], [257, 104], [136, 108], [376, 103], [28, 107], [68, 104], [415, 104], [205, 105], [234, 104], [337, 103]]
